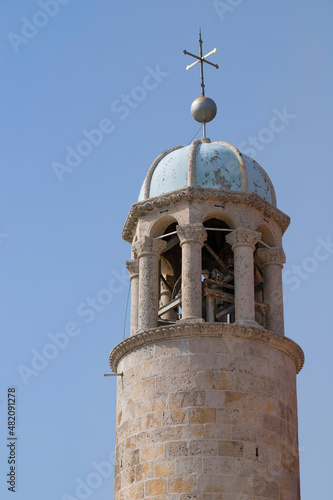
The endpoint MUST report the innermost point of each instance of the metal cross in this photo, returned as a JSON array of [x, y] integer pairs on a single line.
[[201, 59]]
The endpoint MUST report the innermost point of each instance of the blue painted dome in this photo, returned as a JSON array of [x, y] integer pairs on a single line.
[[215, 165]]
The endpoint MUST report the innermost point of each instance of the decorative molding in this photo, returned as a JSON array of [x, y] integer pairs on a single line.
[[191, 233], [191, 167], [273, 255], [206, 330], [243, 237], [202, 194]]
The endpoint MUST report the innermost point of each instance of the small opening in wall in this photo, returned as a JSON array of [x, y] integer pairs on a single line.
[[163, 211], [257, 452], [219, 206]]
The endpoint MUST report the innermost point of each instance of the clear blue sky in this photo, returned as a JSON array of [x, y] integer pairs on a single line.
[[60, 242]]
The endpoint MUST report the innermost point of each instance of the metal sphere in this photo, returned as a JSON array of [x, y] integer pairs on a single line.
[[203, 109]]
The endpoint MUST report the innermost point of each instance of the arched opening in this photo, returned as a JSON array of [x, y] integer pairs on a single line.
[[261, 308], [169, 310], [267, 237], [218, 273]]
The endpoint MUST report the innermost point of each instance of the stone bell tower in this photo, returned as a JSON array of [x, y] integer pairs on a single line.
[[206, 405]]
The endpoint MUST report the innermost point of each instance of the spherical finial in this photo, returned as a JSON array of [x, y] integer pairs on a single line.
[[203, 109]]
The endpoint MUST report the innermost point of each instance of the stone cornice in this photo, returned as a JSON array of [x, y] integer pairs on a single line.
[[192, 330], [201, 194]]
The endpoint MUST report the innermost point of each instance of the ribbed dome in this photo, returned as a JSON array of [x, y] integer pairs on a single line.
[[216, 165]]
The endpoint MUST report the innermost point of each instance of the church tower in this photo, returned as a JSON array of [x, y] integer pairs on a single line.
[[206, 403]]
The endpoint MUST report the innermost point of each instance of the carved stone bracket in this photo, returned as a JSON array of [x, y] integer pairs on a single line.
[[243, 237], [191, 232]]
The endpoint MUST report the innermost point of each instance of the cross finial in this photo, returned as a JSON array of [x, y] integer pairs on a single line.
[[201, 59]]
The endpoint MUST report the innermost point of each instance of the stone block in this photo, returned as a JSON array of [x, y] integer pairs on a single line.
[[155, 487], [217, 431], [173, 417], [143, 438], [239, 486], [230, 449], [234, 399], [266, 489], [216, 399], [202, 415], [144, 471], [151, 420], [190, 431], [134, 492], [211, 483], [164, 468], [187, 399], [228, 416], [143, 390], [181, 485], [245, 382], [131, 458], [129, 475], [217, 380], [203, 447], [176, 449], [273, 424], [189, 465], [163, 434], [157, 403], [152, 452], [243, 433]]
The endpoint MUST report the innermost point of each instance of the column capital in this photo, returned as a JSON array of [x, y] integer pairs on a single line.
[[191, 233], [243, 237], [132, 267], [148, 246], [273, 255]]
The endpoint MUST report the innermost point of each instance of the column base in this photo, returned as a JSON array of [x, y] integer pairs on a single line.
[[248, 322], [192, 319]]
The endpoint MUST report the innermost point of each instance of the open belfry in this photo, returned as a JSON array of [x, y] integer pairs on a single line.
[[206, 397]]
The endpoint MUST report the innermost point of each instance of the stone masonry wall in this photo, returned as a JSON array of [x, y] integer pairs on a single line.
[[207, 418]]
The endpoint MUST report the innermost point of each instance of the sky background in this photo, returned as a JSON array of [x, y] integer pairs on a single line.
[[60, 234]]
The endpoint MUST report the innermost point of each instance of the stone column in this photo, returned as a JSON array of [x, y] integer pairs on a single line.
[[133, 269], [243, 243], [148, 251], [191, 237], [272, 260]]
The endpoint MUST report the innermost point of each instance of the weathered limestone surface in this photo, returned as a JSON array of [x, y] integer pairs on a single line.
[[243, 243], [192, 237], [133, 269], [207, 412], [272, 260], [148, 251]]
